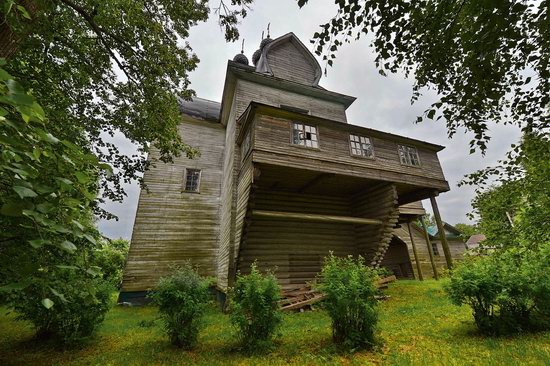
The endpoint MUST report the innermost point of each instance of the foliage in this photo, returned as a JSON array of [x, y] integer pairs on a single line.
[[417, 322], [255, 310], [489, 61], [517, 211], [110, 256], [349, 286], [507, 290], [117, 66], [47, 189], [182, 298], [81, 302], [467, 230]]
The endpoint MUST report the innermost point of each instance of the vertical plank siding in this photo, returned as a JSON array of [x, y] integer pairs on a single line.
[[171, 225], [398, 260], [287, 62]]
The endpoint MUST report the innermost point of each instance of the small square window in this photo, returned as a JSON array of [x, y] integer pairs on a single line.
[[192, 180], [361, 146], [435, 249], [408, 155], [304, 135]]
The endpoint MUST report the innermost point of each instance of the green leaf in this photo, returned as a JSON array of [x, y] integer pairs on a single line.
[[59, 295], [47, 303], [13, 209], [15, 286], [72, 268], [67, 246], [24, 192], [90, 238], [83, 178], [37, 243]]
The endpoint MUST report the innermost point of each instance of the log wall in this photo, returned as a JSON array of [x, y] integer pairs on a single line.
[[171, 225]]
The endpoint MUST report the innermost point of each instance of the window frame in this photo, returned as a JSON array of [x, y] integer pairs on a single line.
[[318, 141], [186, 174], [406, 163], [372, 157]]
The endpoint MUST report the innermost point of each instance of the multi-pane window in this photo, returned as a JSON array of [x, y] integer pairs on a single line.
[[361, 146], [192, 180], [304, 135], [435, 249], [245, 145], [408, 155]]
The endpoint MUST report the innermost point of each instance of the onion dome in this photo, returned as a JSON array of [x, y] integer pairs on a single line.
[[256, 57], [241, 58], [265, 42]]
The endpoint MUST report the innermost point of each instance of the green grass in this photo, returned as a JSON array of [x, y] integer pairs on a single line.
[[418, 326]]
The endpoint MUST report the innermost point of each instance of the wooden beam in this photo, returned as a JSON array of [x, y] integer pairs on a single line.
[[315, 217], [430, 248], [415, 252], [315, 180], [414, 196], [441, 231]]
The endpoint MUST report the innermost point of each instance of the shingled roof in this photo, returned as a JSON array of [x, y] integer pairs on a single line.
[[200, 108]]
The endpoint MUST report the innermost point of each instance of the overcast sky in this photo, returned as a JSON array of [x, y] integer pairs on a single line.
[[382, 103]]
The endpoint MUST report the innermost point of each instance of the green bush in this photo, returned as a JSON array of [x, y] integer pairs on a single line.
[[255, 310], [67, 314], [110, 256], [508, 290], [182, 299], [349, 286]]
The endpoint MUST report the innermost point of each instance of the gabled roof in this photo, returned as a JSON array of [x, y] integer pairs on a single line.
[[263, 64], [474, 240], [434, 231]]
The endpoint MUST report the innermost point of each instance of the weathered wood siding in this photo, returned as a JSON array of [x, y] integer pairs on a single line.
[[295, 249], [248, 91], [228, 213], [287, 62], [379, 202], [243, 195], [171, 225], [272, 145]]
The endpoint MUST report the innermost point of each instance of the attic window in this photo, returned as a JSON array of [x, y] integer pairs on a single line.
[[192, 180], [408, 155], [304, 135], [294, 109], [361, 146]]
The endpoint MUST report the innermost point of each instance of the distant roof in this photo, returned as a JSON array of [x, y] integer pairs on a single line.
[[433, 230], [200, 108], [474, 240]]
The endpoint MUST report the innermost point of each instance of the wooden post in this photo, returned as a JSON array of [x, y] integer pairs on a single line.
[[430, 248], [441, 231], [415, 252]]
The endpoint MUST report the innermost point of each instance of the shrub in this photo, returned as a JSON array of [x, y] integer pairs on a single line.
[[349, 286], [77, 306], [507, 291], [182, 298], [255, 309], [111, 257]]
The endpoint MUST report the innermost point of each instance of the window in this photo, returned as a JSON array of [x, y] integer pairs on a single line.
[[304, 135], [435, 249], [192, 180], [245, 145], [361, 146], [408, 155]]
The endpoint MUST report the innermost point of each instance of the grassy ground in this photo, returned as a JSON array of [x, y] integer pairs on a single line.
[[418, 326]]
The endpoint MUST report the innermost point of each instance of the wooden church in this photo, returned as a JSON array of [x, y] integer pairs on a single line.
[[282, 179]]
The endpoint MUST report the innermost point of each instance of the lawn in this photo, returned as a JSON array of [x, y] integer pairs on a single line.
[[418, 326]]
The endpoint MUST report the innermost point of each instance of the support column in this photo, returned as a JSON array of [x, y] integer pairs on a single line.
[[415, 252], [430, 248], [441, 231]]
